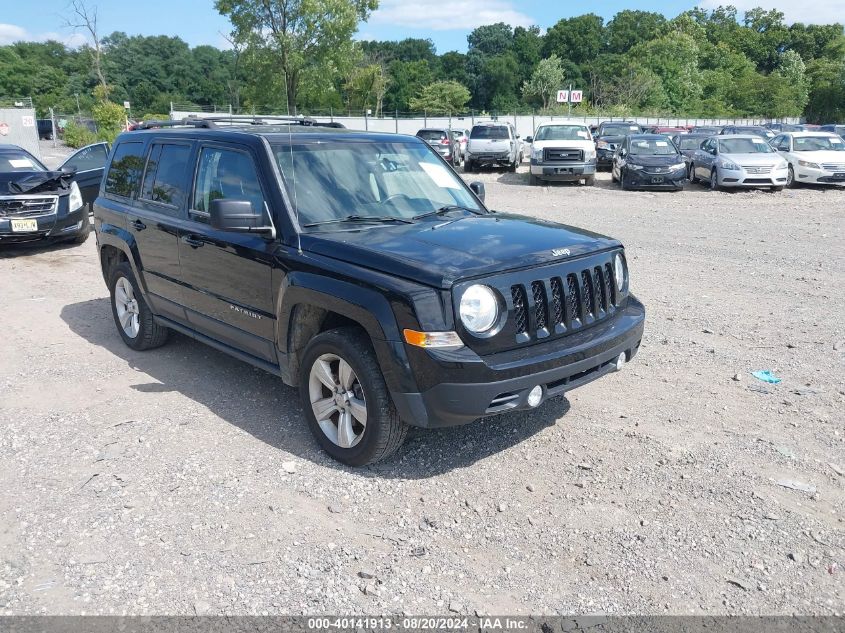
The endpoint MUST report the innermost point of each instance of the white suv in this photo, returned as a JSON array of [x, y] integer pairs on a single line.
[[562, 152], [493, 143]]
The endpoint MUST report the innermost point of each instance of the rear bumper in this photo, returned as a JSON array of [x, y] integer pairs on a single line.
[[497, 158], [501, 388], [562, 171]]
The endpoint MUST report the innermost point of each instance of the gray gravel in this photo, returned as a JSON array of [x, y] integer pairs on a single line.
[[180, 481]]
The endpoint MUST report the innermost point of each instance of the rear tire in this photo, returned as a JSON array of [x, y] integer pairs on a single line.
[[468, 166], [382, 432], [138, 330]]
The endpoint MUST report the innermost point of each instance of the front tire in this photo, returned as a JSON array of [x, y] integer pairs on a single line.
[[346, 401], [790, 178], [533, 180], [714, 180], [589, 181], [692, 177], [133, 318]]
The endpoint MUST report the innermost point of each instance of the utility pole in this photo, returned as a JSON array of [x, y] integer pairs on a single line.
[[569, 101]]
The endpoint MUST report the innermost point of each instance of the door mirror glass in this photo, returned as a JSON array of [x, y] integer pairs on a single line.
[[529, 139], [478, 189], [238, 216]]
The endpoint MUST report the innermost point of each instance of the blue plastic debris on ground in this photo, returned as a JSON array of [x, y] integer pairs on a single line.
[[766, 376]]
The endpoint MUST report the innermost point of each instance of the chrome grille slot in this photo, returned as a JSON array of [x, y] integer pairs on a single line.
[[27, 206], [833, 166], [757, 169], [557, 154], [520, 313], [540, 308], [610, 284]]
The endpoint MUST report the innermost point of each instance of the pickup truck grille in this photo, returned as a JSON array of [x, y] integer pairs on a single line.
[[23, 207], [554, 154], [563, 304]]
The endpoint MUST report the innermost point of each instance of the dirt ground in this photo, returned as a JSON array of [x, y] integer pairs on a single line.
[[181, 481]]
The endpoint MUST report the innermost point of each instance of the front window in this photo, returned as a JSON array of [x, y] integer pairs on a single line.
[[492, 132], [16, 161], [744, 146], [689, 143], [562, 133], [333, 180], [225, 174], [652, 147], [818, 144], [88, 158], [619, 130]]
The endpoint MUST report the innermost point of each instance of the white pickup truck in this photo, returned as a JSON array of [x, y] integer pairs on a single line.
[[562, 152]]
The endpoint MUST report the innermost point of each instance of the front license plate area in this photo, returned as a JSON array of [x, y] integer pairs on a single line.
[[656, 180], [24, 226]]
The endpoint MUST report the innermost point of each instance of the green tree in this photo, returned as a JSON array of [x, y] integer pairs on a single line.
[[441, 97], [545, 81], [674, 59], [629, 28], [579, 39], [365, 88], [298, 34], [405, 80]]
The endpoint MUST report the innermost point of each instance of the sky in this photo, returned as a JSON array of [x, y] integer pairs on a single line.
[[445, 22]]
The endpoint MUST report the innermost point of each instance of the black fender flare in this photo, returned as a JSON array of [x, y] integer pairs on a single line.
[[366, 306], [124, 241]]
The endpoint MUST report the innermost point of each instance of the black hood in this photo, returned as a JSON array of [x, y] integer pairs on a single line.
[[31, 182], [611, 138], [442, 250]]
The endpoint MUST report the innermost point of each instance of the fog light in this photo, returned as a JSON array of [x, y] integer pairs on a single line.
[[620, 361], [535, 396]]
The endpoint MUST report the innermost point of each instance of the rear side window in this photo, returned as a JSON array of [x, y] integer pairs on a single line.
[[165, 176], [125, 171]]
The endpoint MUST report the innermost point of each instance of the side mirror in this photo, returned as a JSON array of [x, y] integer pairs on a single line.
[[478, 189], [529, 139], [68, 169], [237, 216], [518, 136], [623, 152]]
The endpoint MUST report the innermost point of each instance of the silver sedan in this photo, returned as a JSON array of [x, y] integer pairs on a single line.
[[738, 160]]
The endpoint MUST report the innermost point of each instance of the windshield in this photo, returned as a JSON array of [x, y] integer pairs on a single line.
[[652, 147], [496, 132], [431, 135], [619, 130], [562, 133], [818, 144], [14, 161], [754, 130], [690, 142], [744, 146], [333, 180]]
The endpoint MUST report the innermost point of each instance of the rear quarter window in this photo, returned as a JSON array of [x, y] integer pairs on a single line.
[[124, 174]]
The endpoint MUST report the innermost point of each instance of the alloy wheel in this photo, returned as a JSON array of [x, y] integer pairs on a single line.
[[126, 305], [337, 400]]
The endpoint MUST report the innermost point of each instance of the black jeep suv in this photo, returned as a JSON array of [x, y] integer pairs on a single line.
[[360, 268]]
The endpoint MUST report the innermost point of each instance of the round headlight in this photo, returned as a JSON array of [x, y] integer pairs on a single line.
[[479, 308], [619, 272]]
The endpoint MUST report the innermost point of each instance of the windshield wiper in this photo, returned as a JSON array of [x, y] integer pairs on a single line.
[[447, 209], [360, 218]]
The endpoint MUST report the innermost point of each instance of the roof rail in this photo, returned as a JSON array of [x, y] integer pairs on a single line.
[[259, 119], [189, 122]]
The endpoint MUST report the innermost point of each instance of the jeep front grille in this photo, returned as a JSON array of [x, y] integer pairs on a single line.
[[27, 206], [562, 303]]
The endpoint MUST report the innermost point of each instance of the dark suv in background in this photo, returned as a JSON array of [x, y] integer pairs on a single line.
[[361, 269], [609, 137]]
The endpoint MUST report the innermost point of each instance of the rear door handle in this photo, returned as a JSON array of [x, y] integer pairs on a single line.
[[193, 241], [138, 225]]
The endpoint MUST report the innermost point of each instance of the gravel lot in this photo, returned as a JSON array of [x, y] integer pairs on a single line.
[[180, 481]]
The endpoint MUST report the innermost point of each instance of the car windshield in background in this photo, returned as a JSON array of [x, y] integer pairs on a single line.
[[562, 133], [818, 144], [495, 132], [619, 130], [431, 135], [744, 146], [652, 147], [690, 143], [11, 162], [332, 181], [753, 130]]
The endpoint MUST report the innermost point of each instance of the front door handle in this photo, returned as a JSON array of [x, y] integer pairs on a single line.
[[138, 225], [193, 241]]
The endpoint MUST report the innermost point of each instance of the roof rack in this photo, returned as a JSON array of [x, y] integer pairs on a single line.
[[216, 122]]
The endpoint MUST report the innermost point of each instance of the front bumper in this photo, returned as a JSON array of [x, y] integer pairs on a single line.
[[644, 179], [562, 171], [50, 227], [500, 383], [742, 178], [604, 156], [819, 176]]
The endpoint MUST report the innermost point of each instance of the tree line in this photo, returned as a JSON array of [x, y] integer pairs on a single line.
[[297, 56]]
